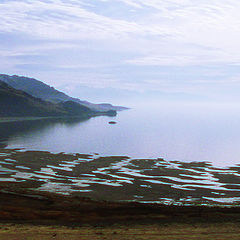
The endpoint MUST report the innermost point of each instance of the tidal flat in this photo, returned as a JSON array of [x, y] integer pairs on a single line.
[[115, 197], [120, 178]]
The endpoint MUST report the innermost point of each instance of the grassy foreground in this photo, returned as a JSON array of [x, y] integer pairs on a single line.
[[121, 232], [50, 216]]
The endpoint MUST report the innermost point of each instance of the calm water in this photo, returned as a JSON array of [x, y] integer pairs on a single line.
[[173, 132]]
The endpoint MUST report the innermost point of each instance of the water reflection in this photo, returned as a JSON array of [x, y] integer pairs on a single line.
[[23, 128], [192, 133]]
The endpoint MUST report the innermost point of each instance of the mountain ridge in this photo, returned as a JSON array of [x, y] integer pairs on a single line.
[[41, 90], [17, 103]]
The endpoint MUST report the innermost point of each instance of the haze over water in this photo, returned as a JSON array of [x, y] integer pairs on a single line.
[[184, 132]]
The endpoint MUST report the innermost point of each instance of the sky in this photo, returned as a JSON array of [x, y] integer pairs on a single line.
[[125, 50]]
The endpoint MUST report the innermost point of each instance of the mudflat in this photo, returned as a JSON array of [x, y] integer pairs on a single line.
[[120, 178], [64, 196]]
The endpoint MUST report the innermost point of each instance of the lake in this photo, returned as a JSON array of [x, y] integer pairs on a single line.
[[183, 132], [167, 153]]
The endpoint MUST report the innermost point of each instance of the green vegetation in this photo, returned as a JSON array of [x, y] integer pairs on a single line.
[[43, 91], [17, 103]]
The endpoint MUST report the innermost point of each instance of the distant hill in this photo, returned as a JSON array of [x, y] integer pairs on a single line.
[[41, 90], [17, 103]]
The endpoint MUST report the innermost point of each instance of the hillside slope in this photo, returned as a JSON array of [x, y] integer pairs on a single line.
[[17, 103], [41, 90]]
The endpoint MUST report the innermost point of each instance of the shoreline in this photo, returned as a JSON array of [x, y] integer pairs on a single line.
[[84, 116], [19, 119]]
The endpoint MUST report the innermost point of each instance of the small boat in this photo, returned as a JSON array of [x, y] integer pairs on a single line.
[[112, 122]]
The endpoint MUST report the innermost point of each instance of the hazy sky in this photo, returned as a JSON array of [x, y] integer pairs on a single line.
[[111, 50]]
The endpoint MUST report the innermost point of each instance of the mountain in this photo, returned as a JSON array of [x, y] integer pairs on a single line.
[[17, 103], [75, 109], [41, 90]]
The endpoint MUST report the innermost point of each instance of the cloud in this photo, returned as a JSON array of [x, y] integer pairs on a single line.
[[212, 25], [60, 20], [200, 58], [128, 44]]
